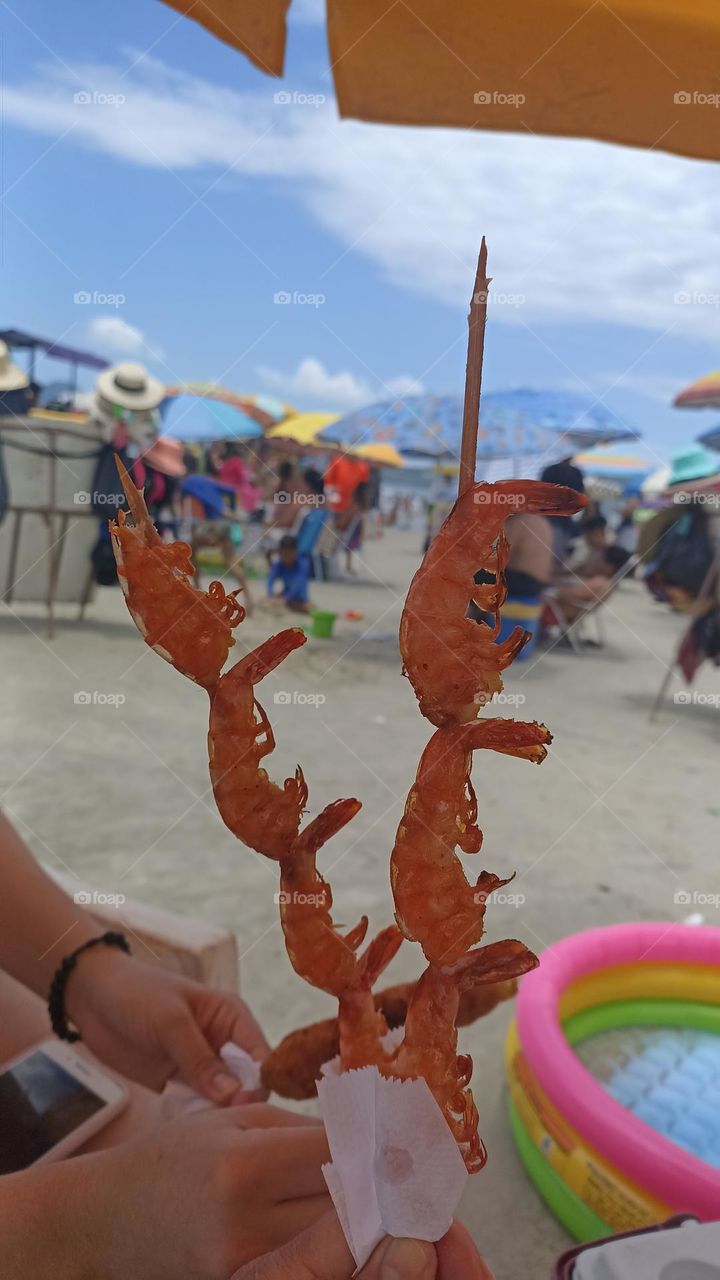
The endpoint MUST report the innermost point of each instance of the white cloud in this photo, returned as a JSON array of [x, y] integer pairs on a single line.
[[577, 230], [403, 385], [312, 381], [113, 334]]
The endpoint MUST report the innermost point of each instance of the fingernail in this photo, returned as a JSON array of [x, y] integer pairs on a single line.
[[223, 1086], [408, 1260]]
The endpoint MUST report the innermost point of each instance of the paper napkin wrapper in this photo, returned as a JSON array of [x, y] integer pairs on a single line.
[[180, 1100], [396, 1168]]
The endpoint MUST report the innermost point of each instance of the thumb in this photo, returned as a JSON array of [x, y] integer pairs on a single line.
[[195, 1061], [322, 1252]]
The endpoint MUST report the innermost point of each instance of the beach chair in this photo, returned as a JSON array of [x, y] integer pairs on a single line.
[[573, 630]]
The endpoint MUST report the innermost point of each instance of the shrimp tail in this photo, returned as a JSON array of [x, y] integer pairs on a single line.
[[267, 656], [333, 818], [377, 956], [136, 505], [497, 962]]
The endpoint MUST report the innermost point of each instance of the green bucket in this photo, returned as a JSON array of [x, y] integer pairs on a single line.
[[322, 623]]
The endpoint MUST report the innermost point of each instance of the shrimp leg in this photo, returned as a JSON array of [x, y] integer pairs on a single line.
[[361, 1025]]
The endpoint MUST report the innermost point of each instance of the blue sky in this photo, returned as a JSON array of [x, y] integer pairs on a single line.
[[182, 197]]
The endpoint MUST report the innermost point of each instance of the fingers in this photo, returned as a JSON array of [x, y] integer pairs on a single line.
[[403, 1260], [262, 1115], [231, 1020], [292, 1217], [458, 1256], [195, 1061], [291, 1162], [320, 1252]]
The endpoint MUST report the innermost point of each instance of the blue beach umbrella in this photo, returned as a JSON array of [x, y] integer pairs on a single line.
[[194, 419]]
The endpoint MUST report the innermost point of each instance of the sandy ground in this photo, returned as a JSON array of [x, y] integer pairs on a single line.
[[622, 816]]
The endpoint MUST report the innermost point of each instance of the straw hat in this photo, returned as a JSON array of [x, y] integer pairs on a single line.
[[166, 455], [130, 386], [11, 377]]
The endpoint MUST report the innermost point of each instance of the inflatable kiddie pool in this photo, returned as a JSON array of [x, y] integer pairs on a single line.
[[644, 1144]]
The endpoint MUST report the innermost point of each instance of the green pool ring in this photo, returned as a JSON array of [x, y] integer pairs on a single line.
[[642, 1013], [575, 1216]]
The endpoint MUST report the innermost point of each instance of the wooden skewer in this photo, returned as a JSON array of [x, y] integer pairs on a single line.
[[477, 318]]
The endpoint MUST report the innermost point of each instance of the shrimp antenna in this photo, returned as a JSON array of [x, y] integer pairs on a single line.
[[477, 318]]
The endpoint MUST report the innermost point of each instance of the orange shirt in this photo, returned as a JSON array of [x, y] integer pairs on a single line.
[[342, 478]]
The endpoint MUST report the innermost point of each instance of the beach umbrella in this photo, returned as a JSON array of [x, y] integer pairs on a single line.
[[213, 391], [195, 419], [622, 467], [704, 393], [656, 483], [633, 71], [302, 428], [547, 424], [711, 438], [383, 455]]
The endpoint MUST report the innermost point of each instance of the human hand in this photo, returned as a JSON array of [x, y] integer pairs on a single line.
[[321, 1252], [201, 1196], [152, 1025]]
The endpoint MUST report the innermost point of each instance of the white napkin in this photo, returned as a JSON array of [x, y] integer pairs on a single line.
[[180, 1100], [396, 1168]]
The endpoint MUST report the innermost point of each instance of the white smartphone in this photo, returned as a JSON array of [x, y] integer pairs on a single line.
[[51, 1102]]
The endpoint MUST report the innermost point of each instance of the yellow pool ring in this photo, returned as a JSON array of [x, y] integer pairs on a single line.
[[641, 981], [618, 1201]]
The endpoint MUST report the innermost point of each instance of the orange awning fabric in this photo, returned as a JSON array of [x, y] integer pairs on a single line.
[[639, 72], [256, 27]]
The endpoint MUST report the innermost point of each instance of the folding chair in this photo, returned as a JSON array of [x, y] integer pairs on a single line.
[[571, 629]]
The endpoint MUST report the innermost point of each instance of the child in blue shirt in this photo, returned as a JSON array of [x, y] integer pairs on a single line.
[[293, 572]]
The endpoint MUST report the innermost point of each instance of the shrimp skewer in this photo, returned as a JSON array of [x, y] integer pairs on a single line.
[[189, 628], [453, 662], [434, 903], [259, 812], [361, 1025], [429, 1048]]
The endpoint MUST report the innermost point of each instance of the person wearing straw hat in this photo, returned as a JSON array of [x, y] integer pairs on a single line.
[[123, 407], [14, 386]]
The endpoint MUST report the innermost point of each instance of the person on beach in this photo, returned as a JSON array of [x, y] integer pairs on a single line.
[[292, 571]]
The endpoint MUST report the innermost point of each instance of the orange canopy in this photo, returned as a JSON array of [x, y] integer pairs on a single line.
[[641, 72]]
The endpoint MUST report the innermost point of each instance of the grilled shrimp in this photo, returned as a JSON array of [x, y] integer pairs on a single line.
[[317, 950], [259, 812], [189, 628], [429, 1048], [434, 903], [361, 1024], [452, 661]]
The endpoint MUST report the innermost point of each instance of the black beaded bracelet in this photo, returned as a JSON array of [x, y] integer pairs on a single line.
[[56, 997]]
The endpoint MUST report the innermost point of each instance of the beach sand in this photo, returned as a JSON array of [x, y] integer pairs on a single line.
[[622, 816]]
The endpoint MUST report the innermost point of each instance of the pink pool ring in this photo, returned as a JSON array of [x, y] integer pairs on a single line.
[[633, 1147]]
